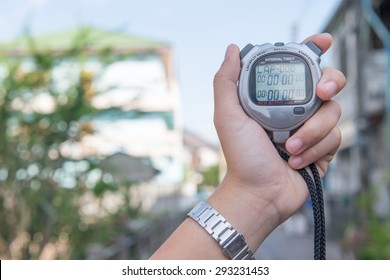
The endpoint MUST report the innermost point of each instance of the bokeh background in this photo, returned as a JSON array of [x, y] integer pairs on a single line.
[[106, 122]]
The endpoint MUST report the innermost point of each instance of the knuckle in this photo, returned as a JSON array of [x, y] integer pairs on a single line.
[[338, 137], [219, 78], [341, 77], [315, 153], [316, 133], [336, 108]]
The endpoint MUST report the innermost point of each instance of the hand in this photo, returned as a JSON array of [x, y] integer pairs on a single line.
[[260, 190], [256, 175], [319, 138]]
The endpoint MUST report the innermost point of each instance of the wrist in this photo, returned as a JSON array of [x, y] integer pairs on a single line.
[[253, 217]]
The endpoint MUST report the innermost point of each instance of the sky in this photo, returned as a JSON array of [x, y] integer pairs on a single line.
[[198, 31]]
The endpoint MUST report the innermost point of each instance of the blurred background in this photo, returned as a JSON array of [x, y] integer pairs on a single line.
[[106, 122]]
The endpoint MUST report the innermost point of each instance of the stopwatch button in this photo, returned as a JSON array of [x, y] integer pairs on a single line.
[[245, 50], [299, 110], [314, 48], [279, 44]]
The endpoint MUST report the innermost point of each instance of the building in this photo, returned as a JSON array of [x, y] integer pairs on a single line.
[[199, 157], [361, 52], [135, 92]]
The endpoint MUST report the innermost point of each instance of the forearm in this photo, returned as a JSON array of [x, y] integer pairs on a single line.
[[254, 218], [189, 241]]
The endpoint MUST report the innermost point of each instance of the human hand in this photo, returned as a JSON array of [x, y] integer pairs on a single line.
[[260, 189], [256, 175]]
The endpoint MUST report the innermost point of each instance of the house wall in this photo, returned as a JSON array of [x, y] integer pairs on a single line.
[[361, 164]]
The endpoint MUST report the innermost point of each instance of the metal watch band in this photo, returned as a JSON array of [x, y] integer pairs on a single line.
[[233, 243]]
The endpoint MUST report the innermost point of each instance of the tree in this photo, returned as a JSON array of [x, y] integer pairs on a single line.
[[42, 187]]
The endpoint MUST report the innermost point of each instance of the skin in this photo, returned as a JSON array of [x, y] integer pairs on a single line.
[[255, 201]]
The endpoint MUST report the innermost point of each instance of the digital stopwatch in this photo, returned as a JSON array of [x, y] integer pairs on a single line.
[[277, 85]]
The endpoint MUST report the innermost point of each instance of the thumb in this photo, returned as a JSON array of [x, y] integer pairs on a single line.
[[225, 83]]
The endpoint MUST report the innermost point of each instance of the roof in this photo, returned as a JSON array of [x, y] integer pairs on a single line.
[[127, 168], [96, 40], [193, 141], [334, 18]]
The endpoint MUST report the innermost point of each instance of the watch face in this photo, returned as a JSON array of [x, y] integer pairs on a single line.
[[280, 79]]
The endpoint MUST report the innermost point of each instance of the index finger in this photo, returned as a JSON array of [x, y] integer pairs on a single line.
[[323, 41]]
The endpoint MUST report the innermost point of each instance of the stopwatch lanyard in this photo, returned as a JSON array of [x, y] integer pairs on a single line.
[[317, 197]]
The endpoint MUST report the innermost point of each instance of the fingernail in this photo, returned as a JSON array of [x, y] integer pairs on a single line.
[[331, 88], [294, 145], [296, 162]]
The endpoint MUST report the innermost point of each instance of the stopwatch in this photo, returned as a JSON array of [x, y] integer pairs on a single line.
[[277, 85]]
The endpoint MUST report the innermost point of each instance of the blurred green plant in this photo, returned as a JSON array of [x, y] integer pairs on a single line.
[[378, 245], [376, 230], [44, 191], [210, 176]]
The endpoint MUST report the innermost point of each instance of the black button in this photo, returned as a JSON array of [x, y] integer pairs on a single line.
[[279, 44], [299, 110]]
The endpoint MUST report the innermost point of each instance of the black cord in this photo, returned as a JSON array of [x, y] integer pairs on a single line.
[[317, 197]]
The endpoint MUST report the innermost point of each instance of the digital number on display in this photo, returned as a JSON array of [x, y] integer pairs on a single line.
[[280, 83]]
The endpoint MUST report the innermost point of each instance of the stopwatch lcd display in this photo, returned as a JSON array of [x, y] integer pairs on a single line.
[[280, 79]]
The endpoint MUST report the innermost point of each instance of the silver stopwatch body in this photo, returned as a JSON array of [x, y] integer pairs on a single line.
[[277, 85]]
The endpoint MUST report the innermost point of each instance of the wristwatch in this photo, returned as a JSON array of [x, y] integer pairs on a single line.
[[233, 243]]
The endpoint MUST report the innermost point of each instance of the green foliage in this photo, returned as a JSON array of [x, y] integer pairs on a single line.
[[378, 246], [42, 189], [211, 176]]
